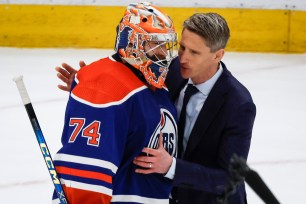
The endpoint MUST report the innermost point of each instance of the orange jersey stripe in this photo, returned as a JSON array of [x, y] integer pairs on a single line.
[[77, 196], [84, 174]]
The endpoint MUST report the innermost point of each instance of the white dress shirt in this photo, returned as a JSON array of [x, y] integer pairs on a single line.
[[193, 109]]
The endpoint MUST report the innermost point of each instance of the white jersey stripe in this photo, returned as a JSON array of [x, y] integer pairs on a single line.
[[110, 103], [87, 187], [138, 199], [87, 161]]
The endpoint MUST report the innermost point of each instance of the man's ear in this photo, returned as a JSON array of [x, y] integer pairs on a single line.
[[219, 55]]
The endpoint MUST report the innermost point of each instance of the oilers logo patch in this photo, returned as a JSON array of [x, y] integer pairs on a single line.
[[167, 127]]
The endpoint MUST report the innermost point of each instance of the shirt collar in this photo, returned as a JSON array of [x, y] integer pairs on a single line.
[[206, 86]]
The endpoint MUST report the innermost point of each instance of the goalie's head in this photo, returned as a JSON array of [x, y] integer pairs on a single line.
[[146, 39]]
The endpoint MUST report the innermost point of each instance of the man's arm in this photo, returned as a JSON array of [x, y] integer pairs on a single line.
[[66, 74], [158, 160], [199, 177], [161, 162], [236, 139]]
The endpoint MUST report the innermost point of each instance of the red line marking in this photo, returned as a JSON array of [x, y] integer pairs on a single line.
[[278, 162], [11, 106], [24, 183]]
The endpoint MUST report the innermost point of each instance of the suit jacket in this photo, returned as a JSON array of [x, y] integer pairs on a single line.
[[223, 127]]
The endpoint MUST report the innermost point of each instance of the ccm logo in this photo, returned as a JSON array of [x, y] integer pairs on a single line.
[[49, 163]]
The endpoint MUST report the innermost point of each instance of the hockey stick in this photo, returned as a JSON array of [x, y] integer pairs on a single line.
[[240, 171], [40, 138]]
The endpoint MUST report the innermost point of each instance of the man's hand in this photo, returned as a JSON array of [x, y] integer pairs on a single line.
[[66, 74], [157, 160]]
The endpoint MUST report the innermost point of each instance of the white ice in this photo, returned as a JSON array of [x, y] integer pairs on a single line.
[[277, 83]]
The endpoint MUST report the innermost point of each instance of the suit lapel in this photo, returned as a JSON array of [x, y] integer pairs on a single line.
[[208, 112]]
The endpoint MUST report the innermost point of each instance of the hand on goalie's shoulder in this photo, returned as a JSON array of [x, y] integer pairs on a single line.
[[66, 74]]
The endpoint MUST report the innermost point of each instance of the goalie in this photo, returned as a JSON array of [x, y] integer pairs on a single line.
[[117, 106]]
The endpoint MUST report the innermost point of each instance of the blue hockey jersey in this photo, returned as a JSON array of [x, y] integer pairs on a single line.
[[111, 116]]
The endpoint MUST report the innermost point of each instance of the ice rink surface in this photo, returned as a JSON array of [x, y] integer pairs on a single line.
[[277, 83]]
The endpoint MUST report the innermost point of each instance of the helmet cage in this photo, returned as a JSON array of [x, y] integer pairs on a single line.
[[162, 47], [152, 55], [162, 43]]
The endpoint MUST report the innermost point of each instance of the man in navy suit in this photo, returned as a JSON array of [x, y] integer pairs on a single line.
[[218, 122], [219, 117]]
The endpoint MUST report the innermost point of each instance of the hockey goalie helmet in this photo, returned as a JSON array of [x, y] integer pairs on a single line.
[[146, 39]]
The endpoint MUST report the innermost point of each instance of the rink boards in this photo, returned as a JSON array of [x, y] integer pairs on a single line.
[[252, 30]]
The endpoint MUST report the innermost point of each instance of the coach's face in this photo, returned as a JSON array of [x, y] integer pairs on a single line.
[[196, 59]]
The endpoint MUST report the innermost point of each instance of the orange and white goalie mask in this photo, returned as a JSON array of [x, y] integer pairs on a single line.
[[146, 39]]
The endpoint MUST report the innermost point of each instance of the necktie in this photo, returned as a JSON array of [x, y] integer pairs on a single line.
[[190, 90]]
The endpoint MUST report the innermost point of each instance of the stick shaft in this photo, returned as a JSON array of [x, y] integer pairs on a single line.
[[40, 139]]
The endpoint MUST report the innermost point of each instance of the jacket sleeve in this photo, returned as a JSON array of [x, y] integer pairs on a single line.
[[235, 138]]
